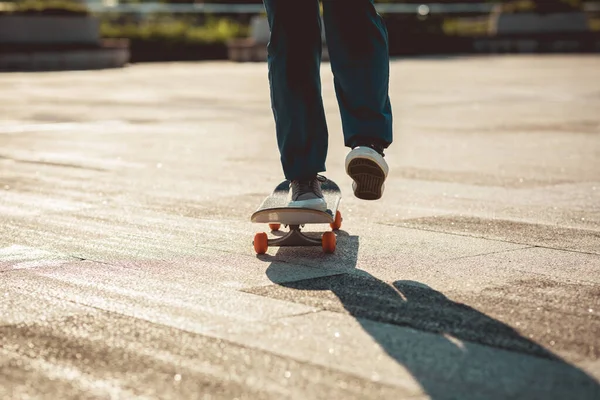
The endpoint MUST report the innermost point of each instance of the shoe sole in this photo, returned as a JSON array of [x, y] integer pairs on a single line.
[[368, 178], [313, 204]]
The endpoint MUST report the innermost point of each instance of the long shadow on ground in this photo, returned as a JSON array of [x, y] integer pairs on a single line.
[[451, 349]]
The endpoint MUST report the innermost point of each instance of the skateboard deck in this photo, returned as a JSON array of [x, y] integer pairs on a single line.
[[275, 211]]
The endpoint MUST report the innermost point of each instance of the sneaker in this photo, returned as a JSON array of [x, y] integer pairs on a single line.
[[307, 194], [366, 166]]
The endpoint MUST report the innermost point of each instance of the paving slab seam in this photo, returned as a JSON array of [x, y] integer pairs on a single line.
[[103, 310], [411, 326], [553, 278], [245, 254], [73, 260], [486, 238], [316, 311], [165, 302], [302, 314], [213, 334], [564, 250], [487, 254], [415, 329], [53, 164], [82, 258]]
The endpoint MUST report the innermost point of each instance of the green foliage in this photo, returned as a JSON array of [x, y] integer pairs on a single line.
[[594, 23], [216, 1], [48, 7], [214, 30], [466, 26]]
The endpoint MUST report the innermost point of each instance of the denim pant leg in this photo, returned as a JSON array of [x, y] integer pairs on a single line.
[[357, 41], [294, 58]]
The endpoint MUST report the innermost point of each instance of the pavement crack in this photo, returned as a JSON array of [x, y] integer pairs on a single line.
[[300, 314], [53, 164], [486, 238], [488, 254], [213, 334]]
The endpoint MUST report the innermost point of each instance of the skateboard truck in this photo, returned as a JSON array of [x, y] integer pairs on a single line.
[[295, 237]]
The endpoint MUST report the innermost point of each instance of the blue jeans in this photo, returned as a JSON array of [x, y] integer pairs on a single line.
[[358, 49]]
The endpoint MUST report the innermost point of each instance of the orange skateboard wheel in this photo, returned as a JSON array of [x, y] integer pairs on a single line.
[[274, 227], [261, 243], [337, 222], [328, 241]]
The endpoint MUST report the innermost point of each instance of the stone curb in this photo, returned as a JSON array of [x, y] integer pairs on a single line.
[[84, 59]]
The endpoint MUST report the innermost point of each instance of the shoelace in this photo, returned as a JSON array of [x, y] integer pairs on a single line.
[[308, 186]]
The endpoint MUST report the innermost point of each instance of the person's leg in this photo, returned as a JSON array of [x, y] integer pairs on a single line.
[[358, 49], [294, 59]]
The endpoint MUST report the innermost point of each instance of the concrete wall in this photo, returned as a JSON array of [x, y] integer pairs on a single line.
[[108, 57], [536, 23], [18, 29]]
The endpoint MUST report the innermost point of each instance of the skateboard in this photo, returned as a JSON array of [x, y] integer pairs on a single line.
[[274, 210]]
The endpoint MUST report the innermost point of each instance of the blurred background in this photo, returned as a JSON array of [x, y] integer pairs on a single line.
[[78, 34]]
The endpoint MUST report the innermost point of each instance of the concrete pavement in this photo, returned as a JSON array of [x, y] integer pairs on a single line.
[[126, 260]]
